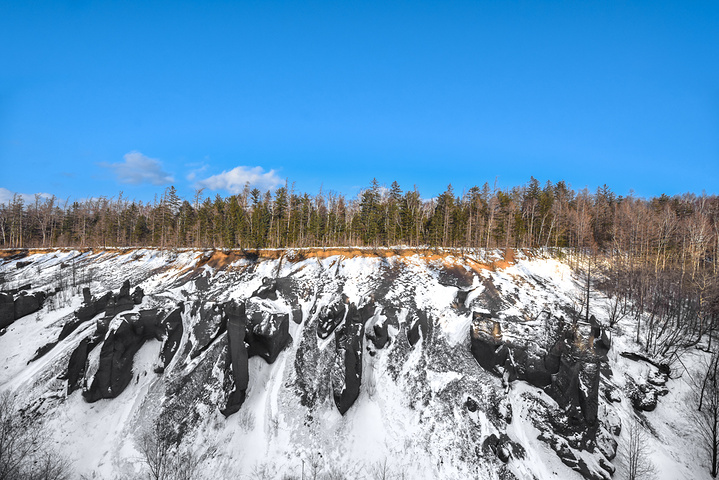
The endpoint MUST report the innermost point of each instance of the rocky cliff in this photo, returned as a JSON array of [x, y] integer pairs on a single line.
[[448, 365]]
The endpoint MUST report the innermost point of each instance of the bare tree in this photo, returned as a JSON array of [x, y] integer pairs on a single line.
[[264, 471], [380, 470], [162, 455], [316, 463], [706, 416], [636, 453], [48, 465], [24, 449]]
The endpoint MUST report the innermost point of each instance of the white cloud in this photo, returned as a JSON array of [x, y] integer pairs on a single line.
[[234, 180], [6, 196], [137, 169]]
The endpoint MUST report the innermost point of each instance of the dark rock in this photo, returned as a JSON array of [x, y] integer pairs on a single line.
[[588, 473], [268, 335], [596, 328], [101, 325], [367, 311], [86, 312], [662, 367], [86, 296], [420, 328], [42, 351], [568, 372], [26, 304], [606, 465], [14, 291], [92, 307], [211, 325], [125, 289], [603, 342], [346, 374], [20, 265], [76, 366], [643, 398], [589, 391], [237, 352], [658, 379], [486, 343], [565, 387], [330, 317], [460, 299], [552, 360], [503, 453], [503, 447], [566, 455], [137, 296], [201, 283], [7, 310], [297, 314], [536, 373], [268, 290], [118, 304], [454, 276], [606, 444], [287, 287], [115, 369], [612, 394], [173, 329], [123, 301], [379, 335], [662, 391]]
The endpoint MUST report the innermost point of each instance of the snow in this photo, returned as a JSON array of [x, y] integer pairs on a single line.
[[410, 409]]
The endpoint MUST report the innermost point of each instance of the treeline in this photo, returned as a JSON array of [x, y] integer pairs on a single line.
[[530, 215]]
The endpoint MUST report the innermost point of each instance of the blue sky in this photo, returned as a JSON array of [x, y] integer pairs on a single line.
[[102, 97]]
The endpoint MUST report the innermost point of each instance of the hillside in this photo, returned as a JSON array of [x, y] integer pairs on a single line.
[[348, 363]]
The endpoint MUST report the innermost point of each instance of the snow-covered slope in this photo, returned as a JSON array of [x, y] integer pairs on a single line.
[[356, 363]]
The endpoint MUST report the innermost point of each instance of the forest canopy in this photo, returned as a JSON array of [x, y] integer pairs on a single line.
[[526, 216]]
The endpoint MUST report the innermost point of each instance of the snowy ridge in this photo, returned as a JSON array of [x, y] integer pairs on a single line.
[[425, 407]]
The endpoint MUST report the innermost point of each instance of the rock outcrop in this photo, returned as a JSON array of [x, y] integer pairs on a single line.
[[237, 351], [26, 303], [421, 327], [567, 368], [347, 367], [379, 335], [408, 318], [172, 334], [90, 308], [267, 334], [118, 350], [14, 307], [7, 310], [331, 316]]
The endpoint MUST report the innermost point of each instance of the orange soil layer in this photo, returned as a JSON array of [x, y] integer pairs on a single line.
[[221, 259]]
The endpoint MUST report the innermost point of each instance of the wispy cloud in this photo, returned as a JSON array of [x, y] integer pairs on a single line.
[[197, 169], [138, 168], [6, 196], [234, 180]]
